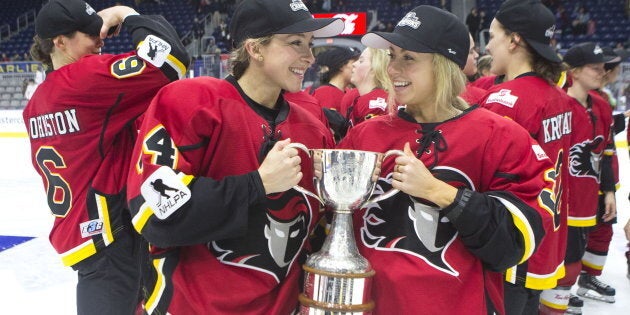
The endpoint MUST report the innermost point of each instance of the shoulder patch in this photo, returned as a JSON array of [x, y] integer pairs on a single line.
[[154, 50], [540, 153], [503, 97], [379, 103], [165, 192]]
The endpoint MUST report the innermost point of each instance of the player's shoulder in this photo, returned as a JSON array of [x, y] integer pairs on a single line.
[[494, 122]]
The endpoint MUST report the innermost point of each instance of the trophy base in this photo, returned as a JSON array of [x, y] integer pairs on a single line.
[[330, 293]]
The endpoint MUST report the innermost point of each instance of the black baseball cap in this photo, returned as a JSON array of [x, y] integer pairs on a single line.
[[426, 29], [533, 21], [336, 57], [58, 17], [259, 18], [585, 53]]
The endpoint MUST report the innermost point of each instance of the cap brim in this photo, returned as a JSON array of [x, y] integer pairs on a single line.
[[320, 27], [94, 28], [545, 51], [384, 40]]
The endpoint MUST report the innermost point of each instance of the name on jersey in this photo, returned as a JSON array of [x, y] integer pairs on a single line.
[[53, 124], [557, 126], [503, 97]]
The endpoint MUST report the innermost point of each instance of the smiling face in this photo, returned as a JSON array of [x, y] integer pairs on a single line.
[[285, 60], [412, 75]]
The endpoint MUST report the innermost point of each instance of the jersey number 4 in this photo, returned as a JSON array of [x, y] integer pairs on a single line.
[[58, 191]]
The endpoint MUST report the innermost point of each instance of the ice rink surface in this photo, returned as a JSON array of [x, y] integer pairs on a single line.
[[33, 280]]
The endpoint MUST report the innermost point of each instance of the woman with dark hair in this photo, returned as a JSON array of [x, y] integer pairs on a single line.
[[519, 45], [81, 124]]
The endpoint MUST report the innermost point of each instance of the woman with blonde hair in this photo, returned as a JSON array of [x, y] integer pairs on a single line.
[[211, 190], [370, 96], [472, 184]]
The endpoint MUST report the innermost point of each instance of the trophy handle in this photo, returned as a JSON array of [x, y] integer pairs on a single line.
[[299, 188], [390, 192]]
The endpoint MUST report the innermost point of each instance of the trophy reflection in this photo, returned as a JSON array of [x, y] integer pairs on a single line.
[[338, 279]]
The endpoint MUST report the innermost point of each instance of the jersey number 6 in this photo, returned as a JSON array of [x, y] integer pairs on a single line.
[[58, 191]]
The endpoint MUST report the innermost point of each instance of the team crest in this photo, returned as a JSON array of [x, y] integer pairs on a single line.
[[583, 162], [411, 226], [275, 235]]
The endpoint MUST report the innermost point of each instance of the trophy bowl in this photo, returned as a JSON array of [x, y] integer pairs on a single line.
[[337, 279]]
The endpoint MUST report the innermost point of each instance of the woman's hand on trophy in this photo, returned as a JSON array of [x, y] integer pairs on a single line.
[[281, 168], [412, 177]]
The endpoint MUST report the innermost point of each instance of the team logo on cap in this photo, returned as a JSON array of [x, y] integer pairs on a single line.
[[410, 20], [550, 31], [297, 5], [89, 10], [598, 50]]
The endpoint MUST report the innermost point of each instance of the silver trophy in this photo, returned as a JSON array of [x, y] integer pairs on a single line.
[[338, 279]]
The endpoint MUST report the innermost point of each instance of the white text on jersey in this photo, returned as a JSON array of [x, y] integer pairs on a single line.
[[53, 124], [557, 126]]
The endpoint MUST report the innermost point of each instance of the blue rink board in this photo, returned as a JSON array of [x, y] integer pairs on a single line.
[[7, 242]]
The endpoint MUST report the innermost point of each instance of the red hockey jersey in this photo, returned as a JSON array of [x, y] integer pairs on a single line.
[[363, 107], [546, 115], [591, 135], [80, 122], [415, 249], [220, 245], [329, 96]]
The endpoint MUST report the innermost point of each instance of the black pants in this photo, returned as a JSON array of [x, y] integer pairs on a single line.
[[110, 281], [520, 300]]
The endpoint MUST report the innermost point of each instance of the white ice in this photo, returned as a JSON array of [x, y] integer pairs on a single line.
[[33, 280]]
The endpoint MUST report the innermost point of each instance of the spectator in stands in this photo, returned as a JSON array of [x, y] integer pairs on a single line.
[[473, 21], [199, 28], [219, 148], [84, 152], [5, 57], [580, 21], [563, 20]]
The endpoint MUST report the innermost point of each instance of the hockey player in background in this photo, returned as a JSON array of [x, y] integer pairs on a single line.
[[519, 45], [590, 168], [80, 123], [469, 205], [599, 239]]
